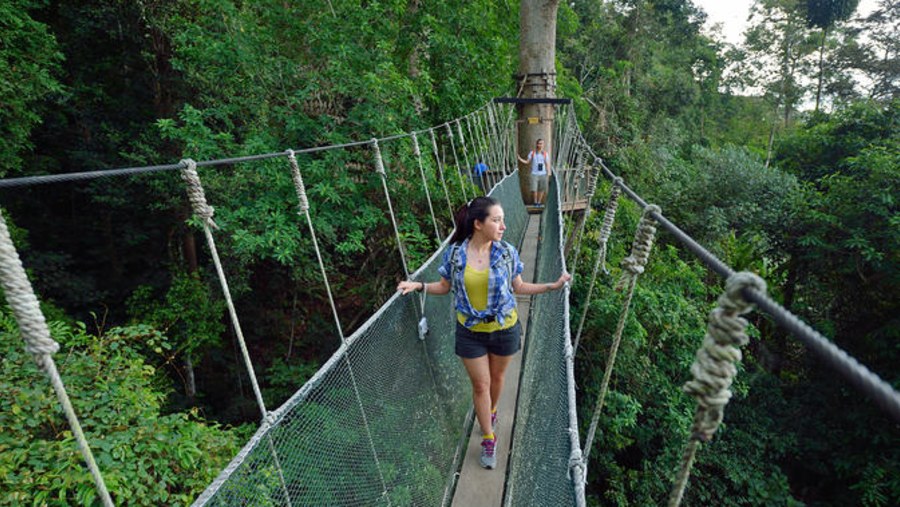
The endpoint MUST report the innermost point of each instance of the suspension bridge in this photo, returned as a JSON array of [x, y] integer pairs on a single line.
[[387, 419]]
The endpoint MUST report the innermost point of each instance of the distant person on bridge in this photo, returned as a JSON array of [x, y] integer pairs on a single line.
[[540, 171], [478, 172], [484, 272]]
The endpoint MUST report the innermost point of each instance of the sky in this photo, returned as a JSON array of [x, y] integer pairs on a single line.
[[733, 15]]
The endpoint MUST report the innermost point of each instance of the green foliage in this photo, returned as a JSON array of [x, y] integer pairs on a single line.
[[29, 68], [646, 417], [147, 457]]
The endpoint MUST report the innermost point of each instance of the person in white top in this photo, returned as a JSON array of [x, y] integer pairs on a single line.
[[540, 171]]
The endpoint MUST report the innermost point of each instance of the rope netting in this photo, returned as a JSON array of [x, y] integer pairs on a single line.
[[545, 461], [412, 394]]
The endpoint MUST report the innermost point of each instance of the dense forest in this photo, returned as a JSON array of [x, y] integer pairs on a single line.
[[781, 154]]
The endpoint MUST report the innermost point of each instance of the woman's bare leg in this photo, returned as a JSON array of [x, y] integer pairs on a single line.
[[479, 370]]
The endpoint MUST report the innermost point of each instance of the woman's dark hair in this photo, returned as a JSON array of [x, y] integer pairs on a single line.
[[467, 214]]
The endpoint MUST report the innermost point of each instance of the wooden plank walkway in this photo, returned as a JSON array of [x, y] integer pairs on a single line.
[[477, 486]]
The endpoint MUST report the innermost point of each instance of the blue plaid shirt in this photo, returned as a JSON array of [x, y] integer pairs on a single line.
[[505, 267]]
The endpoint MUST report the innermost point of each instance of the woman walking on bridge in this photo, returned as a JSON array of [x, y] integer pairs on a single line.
[[484, 272]]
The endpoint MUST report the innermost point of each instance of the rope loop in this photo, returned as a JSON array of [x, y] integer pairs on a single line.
[[196, 194], [379, 162], [633, 265], [298, 182], [714, 367]]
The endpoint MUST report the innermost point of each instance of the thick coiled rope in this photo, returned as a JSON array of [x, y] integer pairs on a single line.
[[196, 194], [714, 369], [592, 176], [632, 267], [609, 216]]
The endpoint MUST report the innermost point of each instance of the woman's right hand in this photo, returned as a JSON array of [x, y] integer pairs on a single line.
[[407, 286]]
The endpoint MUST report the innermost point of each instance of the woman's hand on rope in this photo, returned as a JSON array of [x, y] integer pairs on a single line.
[[409, 286], [563, 278]]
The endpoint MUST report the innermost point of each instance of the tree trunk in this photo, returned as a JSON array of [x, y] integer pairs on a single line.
[[821, 67], [536, 79], [770, 144]]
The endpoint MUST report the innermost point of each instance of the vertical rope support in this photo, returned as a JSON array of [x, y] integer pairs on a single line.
[[437, 158], [418, 153], [465, 149], [462, 183], [33, 327], [205, 212], [510, 137], [714, 369], [300, 188], [632, 267], [609, 216], [494, 136], [592, 176], [486, 146], [379, 168], [486, 139], [476, 156]]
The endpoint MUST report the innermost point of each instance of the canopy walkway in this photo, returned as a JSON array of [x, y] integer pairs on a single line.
[[386, 419]]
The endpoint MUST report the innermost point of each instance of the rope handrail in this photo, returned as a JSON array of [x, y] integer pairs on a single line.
[[857, 374], [26, 181]]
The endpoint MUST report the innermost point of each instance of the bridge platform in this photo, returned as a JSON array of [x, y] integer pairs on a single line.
[[477, 486]]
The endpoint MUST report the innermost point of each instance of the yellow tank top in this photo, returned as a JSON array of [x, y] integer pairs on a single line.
[[477, 290]]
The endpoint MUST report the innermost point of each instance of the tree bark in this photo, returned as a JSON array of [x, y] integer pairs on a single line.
[[821, 67], [536, 79]]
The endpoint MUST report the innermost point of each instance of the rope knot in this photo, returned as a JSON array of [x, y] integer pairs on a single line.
[[298, 182], [714, 367], [416, 150], [196, 194], [576, 464], [633, 265], [379, 162]]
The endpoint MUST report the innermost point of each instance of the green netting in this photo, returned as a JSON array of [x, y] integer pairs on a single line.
[[545, 433], [380, 423]]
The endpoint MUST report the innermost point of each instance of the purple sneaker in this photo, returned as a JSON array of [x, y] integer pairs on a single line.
[[493, 420], [488, 459]]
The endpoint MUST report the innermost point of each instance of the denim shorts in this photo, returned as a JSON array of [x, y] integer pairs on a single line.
[[472, 344]]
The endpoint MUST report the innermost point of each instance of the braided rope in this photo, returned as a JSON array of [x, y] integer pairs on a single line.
[[437, 158], [304, 208], [417, 151], [465, 148], [633, 265], [196, 194], [33, 327], [714, 369], [588, 209], [609, 216], [462, 183], [379, 168]]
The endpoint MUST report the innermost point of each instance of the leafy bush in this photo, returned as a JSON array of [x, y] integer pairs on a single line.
[[147, 457]]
